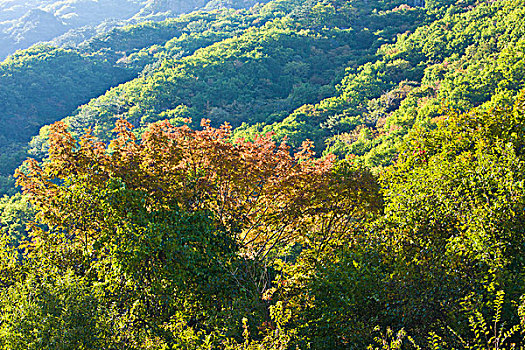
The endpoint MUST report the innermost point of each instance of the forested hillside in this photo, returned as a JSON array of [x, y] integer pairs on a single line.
[[321, 174], [70, 22], [265, 63], [263, 75], [45, 84]]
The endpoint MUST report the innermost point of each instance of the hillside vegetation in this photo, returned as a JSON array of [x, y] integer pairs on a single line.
[[70, 22], [262, 75], [321, 174], [45, 84]]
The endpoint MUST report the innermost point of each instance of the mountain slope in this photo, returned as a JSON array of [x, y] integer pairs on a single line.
[[462, 60], [349, 75], [44, 84], [261, 75], [69, 22]]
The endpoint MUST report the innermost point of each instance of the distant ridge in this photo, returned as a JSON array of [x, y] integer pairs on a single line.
[[69, 22]]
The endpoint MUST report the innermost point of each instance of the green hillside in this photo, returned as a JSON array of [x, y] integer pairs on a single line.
[[70, 22], [321, 174], [461, 61], [45, 84], [261, 75]]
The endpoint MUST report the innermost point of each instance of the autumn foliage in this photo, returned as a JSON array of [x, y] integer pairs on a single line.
[[258, 190], [181, 228]]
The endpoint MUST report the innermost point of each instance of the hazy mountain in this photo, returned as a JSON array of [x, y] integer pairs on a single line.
[[68, 22]]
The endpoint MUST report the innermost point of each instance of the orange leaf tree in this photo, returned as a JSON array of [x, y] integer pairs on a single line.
[[185, 219], [257, 190]]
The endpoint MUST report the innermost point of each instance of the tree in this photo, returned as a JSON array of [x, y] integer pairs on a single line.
[[455, 214], [179, 230]]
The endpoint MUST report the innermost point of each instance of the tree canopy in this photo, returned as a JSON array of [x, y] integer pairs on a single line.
[[178, 229], [356, 181]]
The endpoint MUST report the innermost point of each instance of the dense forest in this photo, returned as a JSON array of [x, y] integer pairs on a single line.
[[320, 174]]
